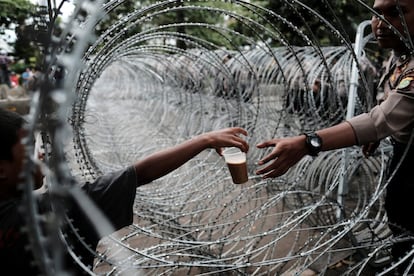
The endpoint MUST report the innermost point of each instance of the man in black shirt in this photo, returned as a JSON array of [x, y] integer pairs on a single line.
[[113, 193]]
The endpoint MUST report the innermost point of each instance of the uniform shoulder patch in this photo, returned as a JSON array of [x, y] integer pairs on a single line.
[[405, 83]]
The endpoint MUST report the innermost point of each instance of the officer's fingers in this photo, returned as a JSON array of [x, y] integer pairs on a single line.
[[271, 156], [265, 169], [276, 172], [265, 144]]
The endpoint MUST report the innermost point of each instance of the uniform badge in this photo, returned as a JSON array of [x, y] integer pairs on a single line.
[[405, 82]]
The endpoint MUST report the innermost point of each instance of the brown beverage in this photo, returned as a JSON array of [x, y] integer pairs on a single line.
[[238, 172]]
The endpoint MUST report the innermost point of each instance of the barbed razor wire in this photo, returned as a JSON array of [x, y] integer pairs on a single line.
[[142, 84]]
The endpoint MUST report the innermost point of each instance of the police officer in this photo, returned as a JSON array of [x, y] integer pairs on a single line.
[[392, 117]]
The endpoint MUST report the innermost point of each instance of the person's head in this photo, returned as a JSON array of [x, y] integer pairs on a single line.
[[11, 150], [392, 10], [12, 153], [11, 124]]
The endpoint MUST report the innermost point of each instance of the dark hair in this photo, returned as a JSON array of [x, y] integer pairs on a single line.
[[10, 124]]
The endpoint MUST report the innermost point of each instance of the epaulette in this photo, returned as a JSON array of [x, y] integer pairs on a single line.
[[405, 83]]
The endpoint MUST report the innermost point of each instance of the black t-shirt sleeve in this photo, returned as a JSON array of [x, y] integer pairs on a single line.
[[114, 194]]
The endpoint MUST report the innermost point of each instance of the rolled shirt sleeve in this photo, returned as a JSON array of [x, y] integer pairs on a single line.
[[393, 117]]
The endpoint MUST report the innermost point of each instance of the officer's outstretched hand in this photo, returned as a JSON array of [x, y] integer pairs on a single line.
[[286, 153]]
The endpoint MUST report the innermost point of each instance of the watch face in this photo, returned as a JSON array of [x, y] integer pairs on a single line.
[[315, 142]]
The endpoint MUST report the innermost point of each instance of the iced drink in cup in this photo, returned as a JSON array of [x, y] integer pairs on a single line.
[[236, 162]]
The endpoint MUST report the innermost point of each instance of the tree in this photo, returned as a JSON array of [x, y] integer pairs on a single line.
[[314, 18], [290, 19], [182, 17], [15, 13]]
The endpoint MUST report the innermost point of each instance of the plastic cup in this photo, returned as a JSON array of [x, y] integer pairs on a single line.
[[236, 162]]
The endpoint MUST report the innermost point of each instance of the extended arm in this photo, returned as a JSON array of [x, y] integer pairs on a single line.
[[161, 163], [288, 151]]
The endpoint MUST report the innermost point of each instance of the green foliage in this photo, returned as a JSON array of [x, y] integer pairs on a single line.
[[185, 13], [313, 20], [174, 17], [116, 14], [19, 67], [14, 11], [344, 15]]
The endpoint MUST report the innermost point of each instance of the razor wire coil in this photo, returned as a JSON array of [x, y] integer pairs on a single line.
[[194, 220]]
